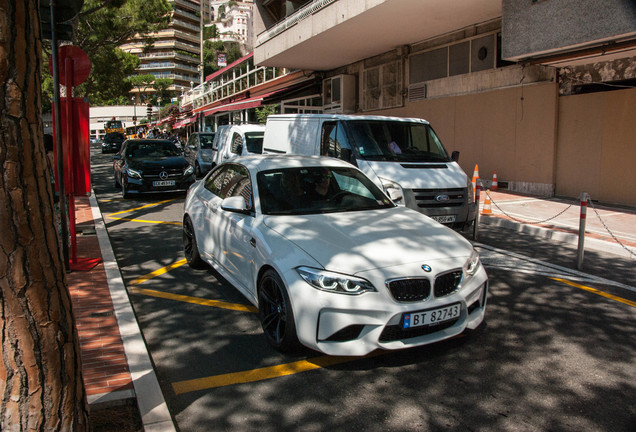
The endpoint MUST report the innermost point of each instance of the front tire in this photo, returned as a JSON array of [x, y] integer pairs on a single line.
[[190, 246], [124, 190], [275, 313]]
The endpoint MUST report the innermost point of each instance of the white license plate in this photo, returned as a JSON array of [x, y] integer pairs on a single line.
[[444, 219], [163, 183], [431, 316]]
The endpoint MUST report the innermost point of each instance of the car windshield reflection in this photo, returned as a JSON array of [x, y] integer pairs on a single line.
[[151, 149], [314, 190]]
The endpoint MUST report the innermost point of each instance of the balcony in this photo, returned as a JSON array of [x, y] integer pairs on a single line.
[[326, 34], [241, 77]]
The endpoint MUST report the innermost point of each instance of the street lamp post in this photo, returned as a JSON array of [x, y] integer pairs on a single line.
[[134, 113], [159, 113]]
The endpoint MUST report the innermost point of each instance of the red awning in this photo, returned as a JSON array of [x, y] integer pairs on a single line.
[[244, 104], [184, 122]]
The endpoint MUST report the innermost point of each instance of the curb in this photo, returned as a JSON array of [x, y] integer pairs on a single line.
[[153, 409], [551, 234]]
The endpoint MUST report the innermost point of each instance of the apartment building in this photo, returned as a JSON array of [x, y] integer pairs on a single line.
[[176, 51], [541, 91], [233, 21]]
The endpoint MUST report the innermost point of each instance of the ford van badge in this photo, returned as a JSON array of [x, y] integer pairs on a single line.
[[442, 198]]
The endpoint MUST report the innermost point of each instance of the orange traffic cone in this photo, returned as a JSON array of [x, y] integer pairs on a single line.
[[494, 186], [487, 208], [475, 177]]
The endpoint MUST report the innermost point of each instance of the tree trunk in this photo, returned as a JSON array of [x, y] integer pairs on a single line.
[[41, 386]]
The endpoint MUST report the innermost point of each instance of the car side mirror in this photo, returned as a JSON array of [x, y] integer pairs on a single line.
[[235, 204], [455, 156]]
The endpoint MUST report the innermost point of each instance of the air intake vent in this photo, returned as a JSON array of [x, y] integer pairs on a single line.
[[447, 283], [417, 92], [409, 290]]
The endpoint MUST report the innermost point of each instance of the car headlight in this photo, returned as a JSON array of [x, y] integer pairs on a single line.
[[471, 192], [393, 190], [189, 170], [134, 174], [472, 264], [334, 282]]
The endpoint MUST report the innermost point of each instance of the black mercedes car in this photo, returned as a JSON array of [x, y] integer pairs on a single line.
[[112, 142], [151, 165]]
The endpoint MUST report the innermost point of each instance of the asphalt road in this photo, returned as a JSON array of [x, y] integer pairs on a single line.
[[556, 353]]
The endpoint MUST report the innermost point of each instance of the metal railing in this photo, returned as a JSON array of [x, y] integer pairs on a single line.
[[293, 19]]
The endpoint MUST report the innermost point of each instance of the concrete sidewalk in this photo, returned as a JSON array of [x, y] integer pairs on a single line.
[[609, 229], [116, 366]]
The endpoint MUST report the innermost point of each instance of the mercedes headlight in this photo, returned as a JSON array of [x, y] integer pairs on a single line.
[[189, 170], [334, 282], [134, 174]]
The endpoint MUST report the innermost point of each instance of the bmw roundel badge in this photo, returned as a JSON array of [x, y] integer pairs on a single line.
[[426, 268]]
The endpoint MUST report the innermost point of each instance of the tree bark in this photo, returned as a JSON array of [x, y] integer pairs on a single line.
[[41, 386]]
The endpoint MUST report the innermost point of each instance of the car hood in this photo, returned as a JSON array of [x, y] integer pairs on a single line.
[[173, 162], [353, 242]]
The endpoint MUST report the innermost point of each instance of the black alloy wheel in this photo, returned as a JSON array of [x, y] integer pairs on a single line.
[[190, 247], [275, 313]]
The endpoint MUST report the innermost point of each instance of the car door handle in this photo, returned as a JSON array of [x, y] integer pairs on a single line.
[[253, 242]]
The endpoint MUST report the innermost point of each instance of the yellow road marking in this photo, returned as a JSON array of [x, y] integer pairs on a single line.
[[159, 272], [145, 221], [260, 374], [195, 300], [595, 291], [142, 207]]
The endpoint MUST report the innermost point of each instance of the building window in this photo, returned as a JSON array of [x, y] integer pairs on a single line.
[[382, 86], [471, 55]]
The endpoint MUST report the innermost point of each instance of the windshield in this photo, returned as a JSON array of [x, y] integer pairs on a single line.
[[206, 140], [313, 190], [254, 142], [151, 149], [396, 141]]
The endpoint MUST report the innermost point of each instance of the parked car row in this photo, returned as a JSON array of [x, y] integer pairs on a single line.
[[321, 232]]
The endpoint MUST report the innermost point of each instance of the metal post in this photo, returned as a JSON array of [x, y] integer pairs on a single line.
[[58, 140], [476, 223], [579, 257]]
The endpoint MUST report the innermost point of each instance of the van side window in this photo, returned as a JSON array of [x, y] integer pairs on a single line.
[[333, 140], [237, 144]]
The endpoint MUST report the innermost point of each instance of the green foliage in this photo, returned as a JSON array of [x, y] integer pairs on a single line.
[[265, 111], [100, 28], [232, 51]]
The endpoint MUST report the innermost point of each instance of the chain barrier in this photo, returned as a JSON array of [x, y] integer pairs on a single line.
[[527, 222], [589, 200]]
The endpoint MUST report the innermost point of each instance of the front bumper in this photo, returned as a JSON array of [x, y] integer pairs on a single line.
[[337, 324], [145, 185]]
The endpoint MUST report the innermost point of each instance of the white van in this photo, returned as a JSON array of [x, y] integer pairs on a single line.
[[402, 155], [237, 140]]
